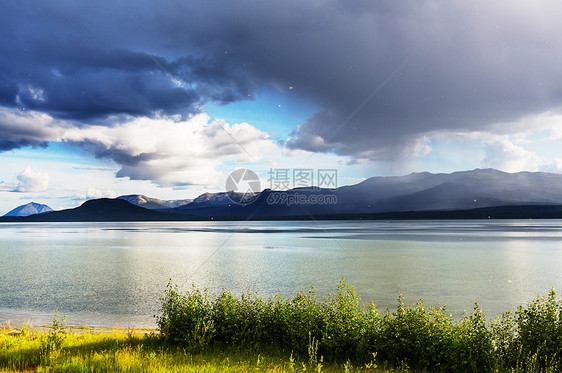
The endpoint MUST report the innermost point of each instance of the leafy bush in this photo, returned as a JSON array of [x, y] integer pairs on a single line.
[[339, 328], [344, 322], [430, 338], [532, 337], [186, 318], [540, 327]]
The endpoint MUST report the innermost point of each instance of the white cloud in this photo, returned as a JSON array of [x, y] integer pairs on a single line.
[[507, 156], [546, 121], [420, 147], [171, 152], [94, 193], [165, 150], [32, 181], [528, 144], [555, 133]]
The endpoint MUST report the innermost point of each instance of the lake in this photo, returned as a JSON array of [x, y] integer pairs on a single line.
[[112, 274]]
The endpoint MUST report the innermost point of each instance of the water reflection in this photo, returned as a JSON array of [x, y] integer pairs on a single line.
[[114, 273]]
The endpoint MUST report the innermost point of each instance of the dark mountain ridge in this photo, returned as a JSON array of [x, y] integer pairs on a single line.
[[112, 210], [418, 195], [415, 192], [103, 209]]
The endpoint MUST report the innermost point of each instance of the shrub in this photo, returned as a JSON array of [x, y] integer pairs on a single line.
[[533, 336], [186, 318], [344, 319], [237, 321], [52, 342], [339, 328]]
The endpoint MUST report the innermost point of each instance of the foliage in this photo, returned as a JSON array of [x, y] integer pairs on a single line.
[[52, 342], [338, 328], [222, 333], [531, 339], [130, 351]]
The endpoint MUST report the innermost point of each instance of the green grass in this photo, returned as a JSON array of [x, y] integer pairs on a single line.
[[128, 351]]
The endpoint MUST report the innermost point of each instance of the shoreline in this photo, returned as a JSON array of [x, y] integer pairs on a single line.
[[75, 329], [33, 319], [44, 322]]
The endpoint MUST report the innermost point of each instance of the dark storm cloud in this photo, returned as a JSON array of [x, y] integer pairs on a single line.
[[20, 143], [86, 63], [463, 65]]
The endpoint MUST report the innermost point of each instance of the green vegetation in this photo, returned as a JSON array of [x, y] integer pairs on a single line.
[[60, 350], [339, 329], [204, 332]]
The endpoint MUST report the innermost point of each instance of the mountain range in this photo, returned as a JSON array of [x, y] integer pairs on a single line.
[[479, 193], [103, 209], [415, 192]]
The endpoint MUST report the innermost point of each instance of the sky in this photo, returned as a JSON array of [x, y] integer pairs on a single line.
[[107, 98]]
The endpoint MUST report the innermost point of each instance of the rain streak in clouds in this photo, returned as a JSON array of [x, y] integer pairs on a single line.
[[83, 73]]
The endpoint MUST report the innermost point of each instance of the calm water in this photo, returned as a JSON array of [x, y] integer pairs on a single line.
[[112, 274]]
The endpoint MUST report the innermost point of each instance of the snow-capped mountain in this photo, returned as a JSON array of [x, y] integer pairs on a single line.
[[31, 208], [153, 203]]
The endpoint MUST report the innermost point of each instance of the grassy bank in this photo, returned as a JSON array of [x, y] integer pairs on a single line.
[[27, 350], [204, 332]]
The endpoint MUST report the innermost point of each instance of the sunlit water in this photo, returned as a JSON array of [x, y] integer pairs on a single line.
[[112, 274]]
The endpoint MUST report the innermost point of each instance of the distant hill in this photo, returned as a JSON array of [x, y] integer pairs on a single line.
[[31, 208], [101, 210], [415, 192], [153, 203], [459, 190], [117, 210], [460, 195]]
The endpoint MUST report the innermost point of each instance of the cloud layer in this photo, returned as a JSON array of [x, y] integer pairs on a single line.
[[169, 151], [383, 74]]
